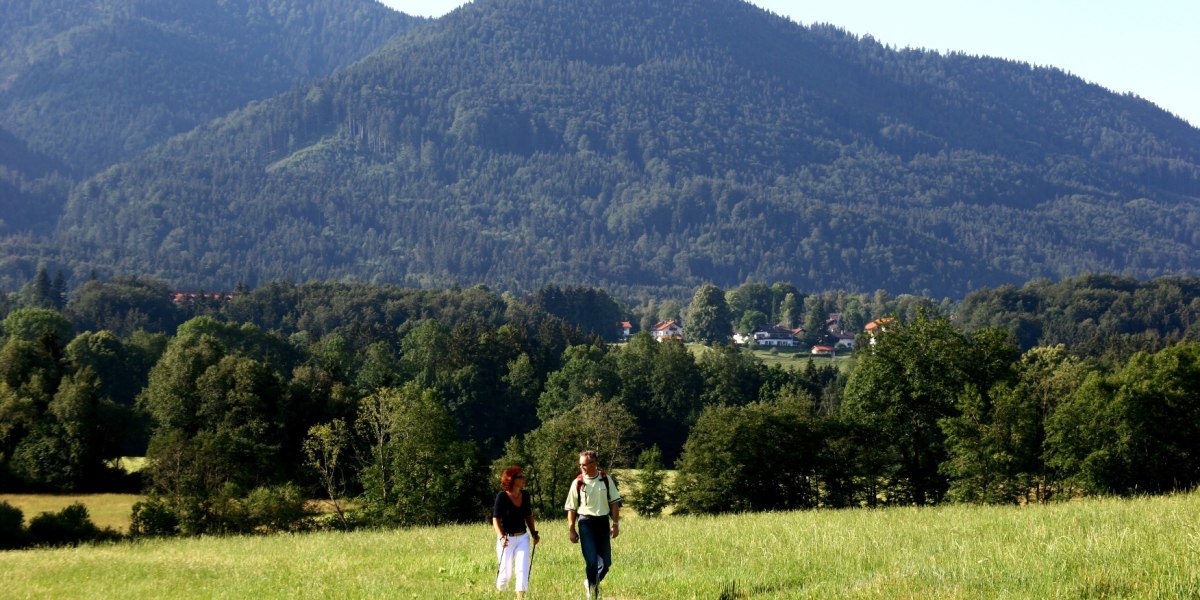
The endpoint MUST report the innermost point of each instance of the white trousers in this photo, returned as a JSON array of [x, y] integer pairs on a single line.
[[514, 560]]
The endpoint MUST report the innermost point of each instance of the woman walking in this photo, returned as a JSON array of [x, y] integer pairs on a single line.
[[512, 518]]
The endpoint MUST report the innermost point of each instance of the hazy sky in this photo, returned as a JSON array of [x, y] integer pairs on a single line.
[[1148, 47]]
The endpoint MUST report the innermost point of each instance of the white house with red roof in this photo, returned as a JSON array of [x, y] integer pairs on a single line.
[[667, 330], [626, 329]]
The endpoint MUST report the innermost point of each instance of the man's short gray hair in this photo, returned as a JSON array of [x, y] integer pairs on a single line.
[[590, 455]]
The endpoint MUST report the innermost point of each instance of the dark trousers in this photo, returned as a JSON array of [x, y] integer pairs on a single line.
[[596, 545]]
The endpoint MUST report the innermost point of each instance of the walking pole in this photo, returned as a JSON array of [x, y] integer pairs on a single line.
[[532, 554]]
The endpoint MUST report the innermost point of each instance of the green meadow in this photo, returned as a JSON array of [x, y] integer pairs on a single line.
[[1102, 548], [795, 358], [788, 358], [105, 510]]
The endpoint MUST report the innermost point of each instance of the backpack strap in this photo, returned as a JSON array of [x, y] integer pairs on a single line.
[[603, 478]]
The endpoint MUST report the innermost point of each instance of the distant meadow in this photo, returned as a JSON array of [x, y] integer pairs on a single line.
[[1145, 547]]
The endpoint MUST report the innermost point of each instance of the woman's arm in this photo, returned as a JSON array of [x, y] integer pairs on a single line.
[[499, 530], [532, 528]]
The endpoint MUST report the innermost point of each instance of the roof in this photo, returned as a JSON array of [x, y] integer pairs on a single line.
[[664, 325], [878, 323], [776, 331]]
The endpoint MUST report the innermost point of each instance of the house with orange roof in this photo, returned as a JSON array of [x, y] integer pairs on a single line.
[[626, 329], [667, 330], [876, 327]]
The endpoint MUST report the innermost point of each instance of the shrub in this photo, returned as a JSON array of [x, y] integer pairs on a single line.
[[69, 526], [12, 532], [652, 491], [277, 508], [153, 517]]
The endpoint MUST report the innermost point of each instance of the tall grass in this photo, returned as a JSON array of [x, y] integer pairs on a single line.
[[1109, 548]]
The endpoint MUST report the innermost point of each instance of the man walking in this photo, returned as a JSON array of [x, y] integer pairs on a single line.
[[592, 502]]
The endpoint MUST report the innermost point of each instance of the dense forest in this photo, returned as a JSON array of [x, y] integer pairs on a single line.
[[398, 401], [645, 148], [92, 84]]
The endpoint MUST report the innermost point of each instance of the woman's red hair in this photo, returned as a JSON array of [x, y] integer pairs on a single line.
[[506, 479]]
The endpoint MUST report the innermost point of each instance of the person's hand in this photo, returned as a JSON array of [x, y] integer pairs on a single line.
[[573, 536], [504, 541], [616, 529], [537, 539]]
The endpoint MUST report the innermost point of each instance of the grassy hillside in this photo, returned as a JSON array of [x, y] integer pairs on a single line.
[[1142, 548]]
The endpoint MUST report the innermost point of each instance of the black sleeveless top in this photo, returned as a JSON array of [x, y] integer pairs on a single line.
[[512, 518]]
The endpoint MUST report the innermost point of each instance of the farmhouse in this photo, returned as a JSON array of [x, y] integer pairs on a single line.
[[667, 330], [876, 327], [822, 350], [774, 335], [625, 329]]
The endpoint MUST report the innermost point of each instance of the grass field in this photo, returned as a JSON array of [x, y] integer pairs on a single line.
[[798, 359], [788, 358], [1110, 548], [105, 510]]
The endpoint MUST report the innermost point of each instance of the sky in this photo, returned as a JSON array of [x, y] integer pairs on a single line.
[[1150, 48]]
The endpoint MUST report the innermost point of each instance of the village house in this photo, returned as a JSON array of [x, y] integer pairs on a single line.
[[625, 328], [822, 350], [876, 327], [192, 297], [834, 324], [667, 330], [774, 335]]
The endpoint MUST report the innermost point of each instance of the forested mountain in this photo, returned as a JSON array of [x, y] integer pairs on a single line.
[[657, 145], [33, 188], [94, 83], [1095, 315]]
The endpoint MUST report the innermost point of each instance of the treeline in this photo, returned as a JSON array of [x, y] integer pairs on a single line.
[[1107, 317], [398, 402]]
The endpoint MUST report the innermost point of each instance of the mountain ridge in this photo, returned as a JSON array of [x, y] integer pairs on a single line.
[[92, 84], [647, 145]]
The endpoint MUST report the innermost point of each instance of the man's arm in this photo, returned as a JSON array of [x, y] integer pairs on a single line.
[[614, 511], [572, 534]]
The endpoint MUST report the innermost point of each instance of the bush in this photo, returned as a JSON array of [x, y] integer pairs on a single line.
[[69, 526], [278, 508], [12, 531], [153, 517], [651, 497]]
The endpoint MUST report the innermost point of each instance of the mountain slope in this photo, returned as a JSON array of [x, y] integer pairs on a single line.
[[636, 144], [94, 83], [32, 188]]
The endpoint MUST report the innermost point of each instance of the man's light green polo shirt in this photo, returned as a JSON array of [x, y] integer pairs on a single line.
[[595, 500]]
